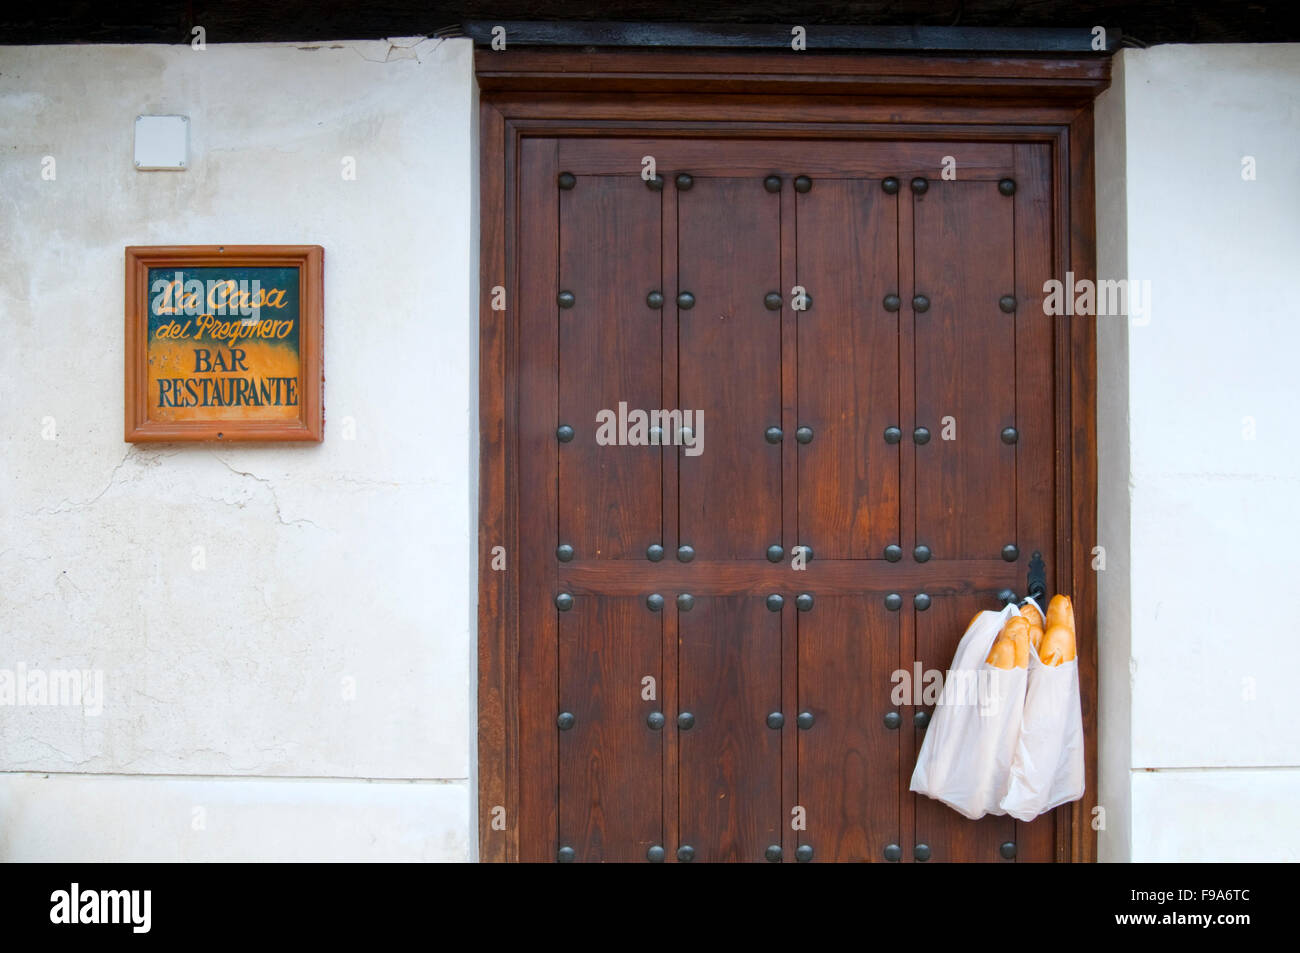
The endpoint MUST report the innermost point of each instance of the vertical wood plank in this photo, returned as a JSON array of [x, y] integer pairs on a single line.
[[538, 503], [730, 366], [909, 741], [848, 759], [1083, 469], [611, 761], [670, 329], [790, 529], [730, 760], [848, 370], [609, 362], [965, 369], [497, 591], [1035, 371], [671, 518]]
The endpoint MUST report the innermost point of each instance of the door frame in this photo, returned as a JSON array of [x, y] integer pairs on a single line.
[[808, 95]]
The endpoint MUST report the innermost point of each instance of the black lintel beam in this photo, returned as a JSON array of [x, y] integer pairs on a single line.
[[619, 34]]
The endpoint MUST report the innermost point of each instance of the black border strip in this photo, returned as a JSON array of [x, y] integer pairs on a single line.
[[695, 36]]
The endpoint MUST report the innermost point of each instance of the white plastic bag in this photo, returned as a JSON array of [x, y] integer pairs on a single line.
[[965, 759], [1047, 769]]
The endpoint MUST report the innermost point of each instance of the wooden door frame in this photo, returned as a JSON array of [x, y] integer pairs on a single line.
[[810, 95]]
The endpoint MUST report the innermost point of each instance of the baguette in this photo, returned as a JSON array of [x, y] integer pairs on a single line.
[[1058, 646], [1060, 612], [1011, 647], [1036, 636], [1017, 629], [1002, 655]]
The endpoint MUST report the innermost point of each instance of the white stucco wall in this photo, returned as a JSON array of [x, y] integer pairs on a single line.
[[1114, 593], [224, 687], [1200, 736]]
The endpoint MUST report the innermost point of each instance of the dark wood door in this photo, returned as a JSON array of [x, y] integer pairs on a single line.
[[711, 634]]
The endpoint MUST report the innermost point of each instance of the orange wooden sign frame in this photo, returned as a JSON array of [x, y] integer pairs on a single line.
[[309, 425]]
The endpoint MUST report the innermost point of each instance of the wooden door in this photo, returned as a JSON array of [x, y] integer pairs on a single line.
[[711, 631]]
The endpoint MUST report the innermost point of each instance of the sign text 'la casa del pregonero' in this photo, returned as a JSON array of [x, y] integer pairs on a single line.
[[219, 341]]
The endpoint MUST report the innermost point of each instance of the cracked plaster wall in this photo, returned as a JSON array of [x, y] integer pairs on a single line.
[[346, 560]]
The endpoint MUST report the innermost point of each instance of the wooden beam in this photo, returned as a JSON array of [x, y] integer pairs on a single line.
[[1071, 79]]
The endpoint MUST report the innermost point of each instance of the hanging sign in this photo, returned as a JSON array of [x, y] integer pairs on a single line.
[[223, 342]]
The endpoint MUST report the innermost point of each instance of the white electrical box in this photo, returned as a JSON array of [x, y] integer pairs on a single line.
[[162, 142]]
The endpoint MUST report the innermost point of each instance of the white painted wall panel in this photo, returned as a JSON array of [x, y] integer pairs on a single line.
[[101, 819], [1203, 599], [1214, 513], [344, 560], [1229, 816]]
